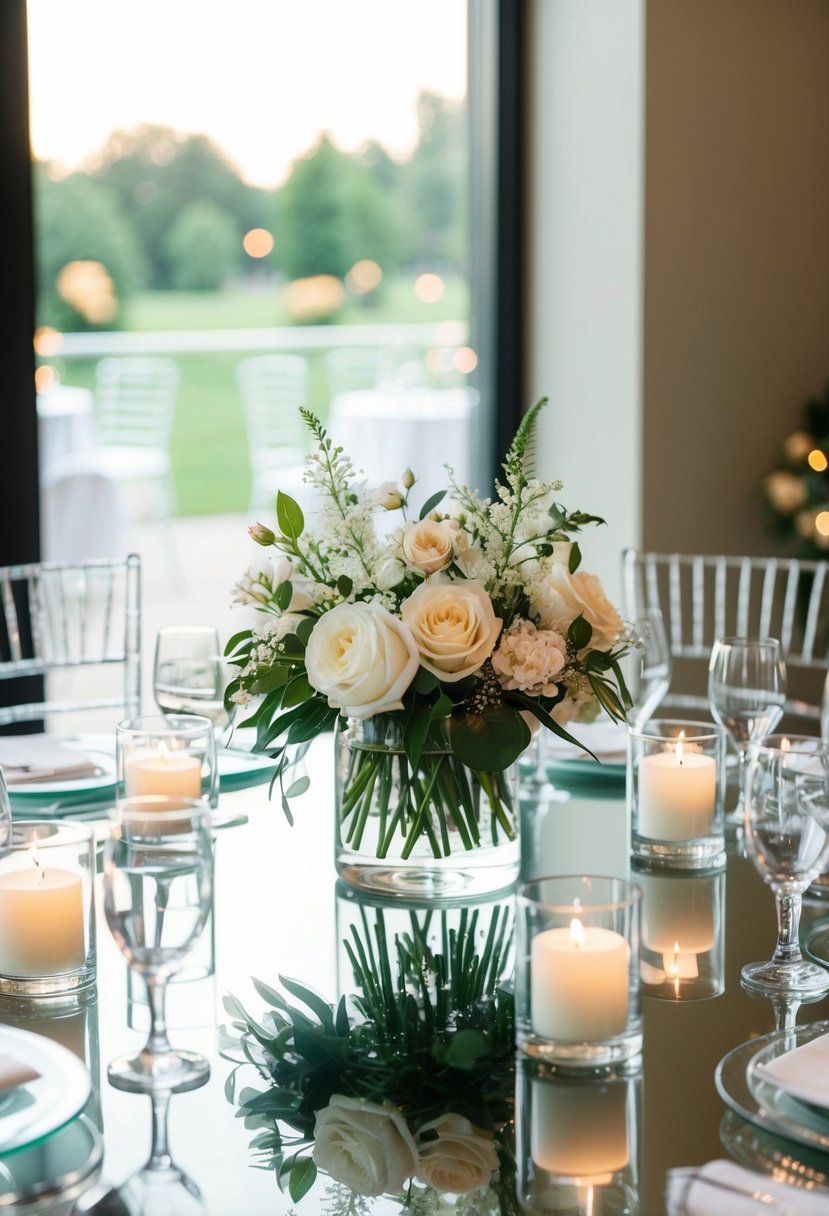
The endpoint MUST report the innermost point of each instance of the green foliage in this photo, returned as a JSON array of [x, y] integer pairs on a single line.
[[202, 247]]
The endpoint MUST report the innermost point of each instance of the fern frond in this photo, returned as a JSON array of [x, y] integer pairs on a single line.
[[521, 454], [313, 423]]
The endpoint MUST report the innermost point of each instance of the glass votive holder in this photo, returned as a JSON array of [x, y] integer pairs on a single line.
[[577, 984], [683, 935], [170, 755], [47, 909], [577, 1142], [675, 792]]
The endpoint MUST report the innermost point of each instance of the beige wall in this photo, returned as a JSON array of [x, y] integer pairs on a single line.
[[736, 258], [679, 255]]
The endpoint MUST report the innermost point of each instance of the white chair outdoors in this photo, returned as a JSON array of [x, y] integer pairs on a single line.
[[704, 597], [136, 400], [60, 621], [352, 368], [272, 388]]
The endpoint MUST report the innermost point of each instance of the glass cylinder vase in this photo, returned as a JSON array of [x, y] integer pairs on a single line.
[[438, 829]]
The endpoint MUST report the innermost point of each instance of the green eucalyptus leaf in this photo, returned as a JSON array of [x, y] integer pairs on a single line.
[[424, 681], [345, 586], [489, 742], [580, 632], [575, 557], [289, 516], [244, 635], [302, 1178], [304, 629], [298, 787], [283, 596], [465, 1049], [431, 503]]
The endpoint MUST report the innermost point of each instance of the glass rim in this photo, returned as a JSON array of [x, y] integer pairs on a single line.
[[739, 639], [186, 726], [796, 742], [699, 729], [630, 893], [55, 836], [162, 807]]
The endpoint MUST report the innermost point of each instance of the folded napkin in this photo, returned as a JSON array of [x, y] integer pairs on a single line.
[[14, 1072], [802, 1072], [722, 1188], [606, 740], [41, 758]]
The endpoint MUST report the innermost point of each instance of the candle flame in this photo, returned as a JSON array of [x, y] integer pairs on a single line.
[[680, 743], [577, 931]]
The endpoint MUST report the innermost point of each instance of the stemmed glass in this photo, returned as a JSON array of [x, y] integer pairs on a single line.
[[647, 665], [189, 674], [158, 891], [787, 838], [746, 693]]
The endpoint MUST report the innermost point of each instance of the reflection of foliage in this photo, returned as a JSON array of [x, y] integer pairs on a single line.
[[429, 1032], [797, 488]]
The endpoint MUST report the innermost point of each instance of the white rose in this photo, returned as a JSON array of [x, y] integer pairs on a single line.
[[462, 1159], [563, 596], [454, 627], [561, 552], [363, 1145], [427, 545], [362, 659]]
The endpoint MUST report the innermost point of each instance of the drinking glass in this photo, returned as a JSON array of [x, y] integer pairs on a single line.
[[158, 891], [5, 812], [787, 838], [747, 694], [189, 674], [647, 664]]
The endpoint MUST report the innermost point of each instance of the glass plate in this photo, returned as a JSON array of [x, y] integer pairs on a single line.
[[101, 784], [48, 1103], [758, 1149], [769, 1107]]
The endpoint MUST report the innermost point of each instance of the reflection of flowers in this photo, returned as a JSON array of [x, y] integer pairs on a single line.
[[796, 490], [404, 1087]]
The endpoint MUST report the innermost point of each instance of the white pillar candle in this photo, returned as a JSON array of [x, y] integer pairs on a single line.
[[173, 773], [41, 922], [579, 1131], [579, 983], [677, 794]]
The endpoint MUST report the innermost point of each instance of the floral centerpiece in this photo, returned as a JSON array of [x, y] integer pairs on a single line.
[[796, 490], [434, 648], [405, 1087]]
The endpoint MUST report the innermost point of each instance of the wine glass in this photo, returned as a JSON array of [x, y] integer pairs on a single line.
[[787, 838], [647, 664], [189, 674], [746, 693], [158, 891]]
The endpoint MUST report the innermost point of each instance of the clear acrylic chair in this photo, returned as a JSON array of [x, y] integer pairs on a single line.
[[78, 627], [135, 405], [272, 388], [703, 597]]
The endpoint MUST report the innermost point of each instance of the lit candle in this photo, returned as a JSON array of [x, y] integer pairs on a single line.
[[174, 773], [41, 922], [579, 983], [579, 1131], [677, 794], [677, 922]]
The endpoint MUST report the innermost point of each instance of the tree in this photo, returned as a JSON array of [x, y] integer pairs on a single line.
[[331, 213], [432, 186], [201, 247], [80, 223]]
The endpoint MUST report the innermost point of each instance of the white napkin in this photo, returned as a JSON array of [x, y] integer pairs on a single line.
[[41, 758], [14, 1072], [607, 740], [739, 1192], [802, 1072]]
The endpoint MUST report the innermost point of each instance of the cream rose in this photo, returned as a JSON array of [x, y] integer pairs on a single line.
[[362, 659], [462, 1159], [563, 596], [454, 627], [363, 1145], [529, 659], [427, 545]]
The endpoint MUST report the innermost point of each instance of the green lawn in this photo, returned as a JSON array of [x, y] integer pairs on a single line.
[[209, 444]]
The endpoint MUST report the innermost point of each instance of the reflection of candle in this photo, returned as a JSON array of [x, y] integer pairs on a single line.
[[41, 922], [677, 921], [163, 772], [579, 1131], [677, 794], [579, 983]]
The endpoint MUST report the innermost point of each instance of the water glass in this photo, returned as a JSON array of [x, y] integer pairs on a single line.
[[577, 981], [189, 673]]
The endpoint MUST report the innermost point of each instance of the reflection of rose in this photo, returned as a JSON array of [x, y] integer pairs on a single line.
[[563, 596], [365, 1146], [427, 545], [361, 658], [460, 1160], [454, 626]]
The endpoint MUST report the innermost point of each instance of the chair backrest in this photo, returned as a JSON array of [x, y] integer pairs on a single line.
[[704, 597], [59, 619], [272, 388], [353, 368], [136, 400]]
